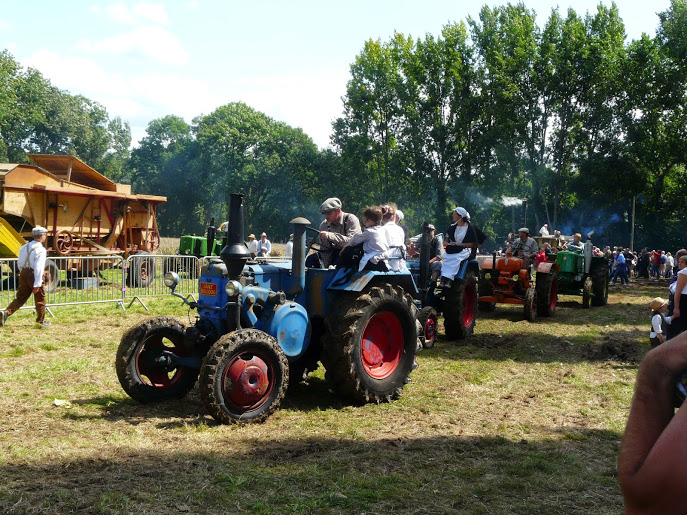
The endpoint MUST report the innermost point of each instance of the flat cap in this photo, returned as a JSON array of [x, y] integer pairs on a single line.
[[524, 229], [38, 230], [331, 204]]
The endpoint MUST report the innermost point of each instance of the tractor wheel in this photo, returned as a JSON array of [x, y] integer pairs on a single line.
[[143, 365], [428, 320], [600, 286], [52, 276], [370, 344], [244, 377], [460, 308], [531, 304], [547, 293], [486, 307], [141, 270], [587, 289]]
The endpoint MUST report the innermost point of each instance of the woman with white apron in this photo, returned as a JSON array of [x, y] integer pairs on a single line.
[[461, 244]]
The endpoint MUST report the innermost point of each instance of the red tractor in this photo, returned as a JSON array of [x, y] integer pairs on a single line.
[[508, 280]]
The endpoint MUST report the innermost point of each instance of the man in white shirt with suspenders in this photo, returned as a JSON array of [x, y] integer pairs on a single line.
[[31, 263]]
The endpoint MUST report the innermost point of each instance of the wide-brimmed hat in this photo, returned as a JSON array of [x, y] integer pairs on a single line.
[[251, 235], [657, 303]]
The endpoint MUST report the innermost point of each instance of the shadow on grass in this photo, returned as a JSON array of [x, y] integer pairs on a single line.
[[567, 472], [621, 346], [313, 395]]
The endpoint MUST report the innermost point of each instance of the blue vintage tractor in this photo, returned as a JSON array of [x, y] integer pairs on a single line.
[[262, 325], [457, 303]]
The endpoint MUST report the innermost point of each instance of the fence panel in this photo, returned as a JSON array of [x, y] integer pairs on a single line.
[[101, 279], [143, 274]]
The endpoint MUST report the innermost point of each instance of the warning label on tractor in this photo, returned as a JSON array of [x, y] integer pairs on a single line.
[[209, 289]]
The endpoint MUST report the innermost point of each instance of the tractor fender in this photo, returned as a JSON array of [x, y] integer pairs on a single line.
[[546, 266], [290, 325], [347, 279]]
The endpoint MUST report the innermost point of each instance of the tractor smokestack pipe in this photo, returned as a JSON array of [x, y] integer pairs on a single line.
[[298, 256], [235, 254]]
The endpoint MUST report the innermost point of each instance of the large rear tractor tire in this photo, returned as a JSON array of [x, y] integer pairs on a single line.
[[244, 377], [460, 308], [429, 321], [587, 289], [600, 286], [547, 293], [145, 361], [531, 304], [370, 344]]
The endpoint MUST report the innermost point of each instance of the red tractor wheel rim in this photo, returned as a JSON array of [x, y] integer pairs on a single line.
[[430, 330], [150, 362], [382, 344], [554, 294], [469, 305], [248, 381]]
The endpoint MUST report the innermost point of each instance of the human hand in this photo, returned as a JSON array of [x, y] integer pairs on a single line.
[[676, 312], [323, 235], [36, 289]]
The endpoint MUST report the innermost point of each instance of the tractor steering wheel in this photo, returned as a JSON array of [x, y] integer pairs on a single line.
[[312, 242]]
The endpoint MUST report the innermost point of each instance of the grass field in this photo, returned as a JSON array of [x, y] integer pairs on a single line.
[[520, 418]]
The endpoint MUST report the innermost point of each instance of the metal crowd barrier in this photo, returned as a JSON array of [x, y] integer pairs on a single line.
[[103, 279]]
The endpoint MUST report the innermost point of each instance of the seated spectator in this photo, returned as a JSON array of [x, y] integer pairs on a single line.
[[374, 244], [264, 246]]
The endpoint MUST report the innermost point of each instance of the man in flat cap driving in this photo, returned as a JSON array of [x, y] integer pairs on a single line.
[[335, 231]]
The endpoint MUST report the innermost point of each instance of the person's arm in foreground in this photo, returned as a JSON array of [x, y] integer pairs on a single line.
[[652, 463]]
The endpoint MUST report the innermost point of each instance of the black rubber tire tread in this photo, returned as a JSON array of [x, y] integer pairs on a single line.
[[545, 282], [425, 314], [454, 304], [136, 277], [341, 345], [587, 289], [600, 286], [125, 363], [220, 355], [530, 307], [53, 279]]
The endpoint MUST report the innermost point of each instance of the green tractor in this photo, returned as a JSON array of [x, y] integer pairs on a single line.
[[584, 274], [196, 246]]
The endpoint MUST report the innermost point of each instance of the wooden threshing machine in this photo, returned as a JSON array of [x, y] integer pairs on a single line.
[[86, 213]]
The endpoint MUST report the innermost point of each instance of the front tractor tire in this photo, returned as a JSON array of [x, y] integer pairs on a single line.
[[244, 377], [145, 362], [600, 286], [429, 323], [531, 304], [370, 345], [460, 308], [547, 293]]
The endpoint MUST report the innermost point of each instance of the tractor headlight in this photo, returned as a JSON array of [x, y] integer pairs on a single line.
[[514, 279], [171, 280], [233, 288], [487, 275]]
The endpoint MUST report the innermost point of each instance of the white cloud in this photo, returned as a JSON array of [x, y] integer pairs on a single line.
[[121, 13], [193, 4], [149, 41]]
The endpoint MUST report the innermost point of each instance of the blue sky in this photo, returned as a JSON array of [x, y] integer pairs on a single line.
[[143, 59]]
